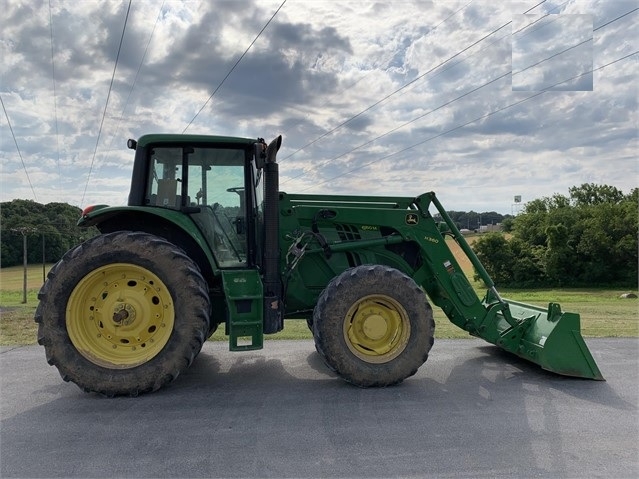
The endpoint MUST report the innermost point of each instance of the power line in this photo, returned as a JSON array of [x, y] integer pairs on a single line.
[[390, 57], [233, 67], [540, 19], [533, 7], [126, 18], [317, 165], [406, 85], [18, 148], [575, 46], [443, 105], [394, 92], [405, 124], [137, 73], [614, 20], [552, 56], [411, 82], [403, 150]]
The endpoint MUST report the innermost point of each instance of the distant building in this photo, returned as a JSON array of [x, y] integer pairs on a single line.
[[488, 228]]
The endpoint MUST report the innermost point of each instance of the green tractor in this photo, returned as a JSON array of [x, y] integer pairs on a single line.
[[208, 240]]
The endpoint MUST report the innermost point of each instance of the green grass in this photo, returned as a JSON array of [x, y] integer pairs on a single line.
[[603, 313], [16, 318]]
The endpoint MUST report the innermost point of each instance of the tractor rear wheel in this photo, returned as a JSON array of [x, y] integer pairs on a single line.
[[123, 313], [373, 326]]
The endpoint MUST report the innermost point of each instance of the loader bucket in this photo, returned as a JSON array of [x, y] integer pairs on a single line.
[[547, 337], [550, 338]]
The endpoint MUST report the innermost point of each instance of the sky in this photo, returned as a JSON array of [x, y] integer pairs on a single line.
[[477, 100]]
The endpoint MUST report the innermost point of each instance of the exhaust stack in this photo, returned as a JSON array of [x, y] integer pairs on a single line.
[[273, 307]]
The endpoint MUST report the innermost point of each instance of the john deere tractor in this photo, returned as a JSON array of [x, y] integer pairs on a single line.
[[208, 240]]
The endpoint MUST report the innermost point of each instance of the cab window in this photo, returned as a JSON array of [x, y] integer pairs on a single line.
[[209, 183]]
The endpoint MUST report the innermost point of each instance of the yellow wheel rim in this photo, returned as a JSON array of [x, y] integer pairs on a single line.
[[376, 329], [120, 316]]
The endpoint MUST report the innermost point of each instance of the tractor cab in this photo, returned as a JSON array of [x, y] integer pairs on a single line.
[[216, 181]]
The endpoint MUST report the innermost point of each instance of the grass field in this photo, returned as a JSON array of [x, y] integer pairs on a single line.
[[603, 313]]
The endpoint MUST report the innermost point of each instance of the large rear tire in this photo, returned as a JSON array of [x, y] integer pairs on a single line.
[[373, 326], [123, 313]]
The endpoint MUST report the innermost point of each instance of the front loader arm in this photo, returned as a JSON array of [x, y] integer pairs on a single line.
[[493, 301], [401, 233]]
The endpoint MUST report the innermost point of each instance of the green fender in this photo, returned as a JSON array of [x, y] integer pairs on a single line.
[[95, 215]]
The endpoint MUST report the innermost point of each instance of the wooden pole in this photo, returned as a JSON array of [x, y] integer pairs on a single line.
[[43, 258], [24, 263]]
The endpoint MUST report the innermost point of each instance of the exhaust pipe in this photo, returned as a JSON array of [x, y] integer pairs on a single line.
[[273, 290]]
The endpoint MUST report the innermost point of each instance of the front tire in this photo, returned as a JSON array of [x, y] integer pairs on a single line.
[[123, 313], [373, 326]]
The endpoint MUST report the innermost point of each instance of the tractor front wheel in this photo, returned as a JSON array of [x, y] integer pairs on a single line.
[[373, 326], [123, 313]]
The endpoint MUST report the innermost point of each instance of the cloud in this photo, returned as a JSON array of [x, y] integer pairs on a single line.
[[372, 98]]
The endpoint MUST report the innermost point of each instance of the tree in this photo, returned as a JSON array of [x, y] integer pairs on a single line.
[[607, 244], [593, 194], [587, 239], [495, 254], [53, 223], [528, 268], [508, 225], [559, 256], [510, 262]]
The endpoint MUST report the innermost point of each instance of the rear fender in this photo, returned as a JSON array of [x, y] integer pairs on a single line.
[[174, 226]]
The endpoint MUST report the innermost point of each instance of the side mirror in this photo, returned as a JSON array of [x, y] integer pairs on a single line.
[[131, 144], [260, 153]]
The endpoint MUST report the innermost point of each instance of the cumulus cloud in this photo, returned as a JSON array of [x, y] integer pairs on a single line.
[[371, 97]]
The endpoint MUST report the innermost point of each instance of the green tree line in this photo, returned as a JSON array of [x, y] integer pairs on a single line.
[[50, 231], [588, 238]]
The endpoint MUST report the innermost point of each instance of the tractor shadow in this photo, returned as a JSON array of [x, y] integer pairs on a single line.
[[480, 368]]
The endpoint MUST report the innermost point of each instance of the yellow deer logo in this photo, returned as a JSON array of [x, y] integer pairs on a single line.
[[412, 219]]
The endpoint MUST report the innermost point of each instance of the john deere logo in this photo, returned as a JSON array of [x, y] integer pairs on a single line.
[[412, 219]]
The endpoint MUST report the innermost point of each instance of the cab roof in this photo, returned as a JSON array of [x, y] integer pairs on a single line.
[[173, 138]]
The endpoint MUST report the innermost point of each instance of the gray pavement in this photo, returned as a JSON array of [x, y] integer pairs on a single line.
[[471, 411]]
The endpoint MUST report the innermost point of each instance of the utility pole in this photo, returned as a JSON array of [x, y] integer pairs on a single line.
[[24, 230], [44, 277]]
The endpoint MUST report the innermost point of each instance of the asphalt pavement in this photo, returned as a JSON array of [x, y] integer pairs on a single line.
[[472, 411]]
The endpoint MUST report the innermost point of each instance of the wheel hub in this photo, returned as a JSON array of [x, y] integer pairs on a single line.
[[375, 327], [123, 314]]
